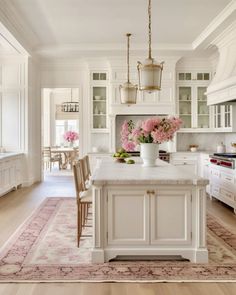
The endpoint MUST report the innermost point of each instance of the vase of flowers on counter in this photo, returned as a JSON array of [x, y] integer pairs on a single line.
[[149, 134], [71, 137]]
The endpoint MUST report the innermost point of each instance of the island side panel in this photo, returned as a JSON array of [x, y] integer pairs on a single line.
[[98, 224], [201, 225]]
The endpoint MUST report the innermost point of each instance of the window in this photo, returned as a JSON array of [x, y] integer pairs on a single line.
[[61, 127]]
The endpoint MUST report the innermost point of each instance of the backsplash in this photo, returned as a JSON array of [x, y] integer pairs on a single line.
[[205, 141], [229, 137]]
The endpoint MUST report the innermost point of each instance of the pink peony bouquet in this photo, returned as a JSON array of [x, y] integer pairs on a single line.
[[152, 130], [71, 136]]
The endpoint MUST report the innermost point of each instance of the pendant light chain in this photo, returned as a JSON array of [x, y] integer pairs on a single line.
[[128, 46], [149, 29]]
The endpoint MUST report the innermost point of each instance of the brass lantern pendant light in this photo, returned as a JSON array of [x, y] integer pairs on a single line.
[[150, 72], [128, 91]]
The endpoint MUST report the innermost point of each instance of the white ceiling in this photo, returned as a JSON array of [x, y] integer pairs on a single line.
[[58, 23]]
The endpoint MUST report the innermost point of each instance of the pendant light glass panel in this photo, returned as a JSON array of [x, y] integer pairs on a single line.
[[150, 74], [128, 91]]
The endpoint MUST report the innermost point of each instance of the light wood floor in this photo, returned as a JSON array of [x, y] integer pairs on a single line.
[[16, 206]]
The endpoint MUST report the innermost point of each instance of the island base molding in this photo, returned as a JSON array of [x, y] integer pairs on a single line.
[[196, 256]]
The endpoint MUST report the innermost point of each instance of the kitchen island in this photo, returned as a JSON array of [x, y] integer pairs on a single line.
[[148, 211]]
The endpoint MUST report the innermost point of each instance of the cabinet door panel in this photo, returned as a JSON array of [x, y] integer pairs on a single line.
[[11, 102], [171, 217], [128, 221]]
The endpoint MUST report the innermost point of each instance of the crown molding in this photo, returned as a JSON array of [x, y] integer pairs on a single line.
[[224, 18], [112, 46], [226, 37], [15, 25]]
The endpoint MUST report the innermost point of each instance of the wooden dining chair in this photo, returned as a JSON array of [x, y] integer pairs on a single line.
[[84, 199], [50, 158]]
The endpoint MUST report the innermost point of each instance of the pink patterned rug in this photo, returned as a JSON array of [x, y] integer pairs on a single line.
[[44, 249]]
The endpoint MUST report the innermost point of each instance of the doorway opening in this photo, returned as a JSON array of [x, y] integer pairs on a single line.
[[60, 132]]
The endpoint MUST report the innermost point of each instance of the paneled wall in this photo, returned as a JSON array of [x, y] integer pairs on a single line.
[[12, 101], [20, 112]]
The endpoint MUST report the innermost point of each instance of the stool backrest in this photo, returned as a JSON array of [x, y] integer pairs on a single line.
[[78, 178], [85, 168]]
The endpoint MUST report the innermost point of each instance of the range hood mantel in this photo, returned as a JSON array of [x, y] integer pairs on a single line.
[[223, 86]]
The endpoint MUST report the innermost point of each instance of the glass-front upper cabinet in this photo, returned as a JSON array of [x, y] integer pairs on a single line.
[[203, 118], [192, 100], [193, 76], [223, 116], [99, 91], [185, 106], [99, 107]]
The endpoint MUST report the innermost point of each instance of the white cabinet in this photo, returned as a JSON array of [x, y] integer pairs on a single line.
[[10, 173], [224, 118], [99, 101], [223, 185], [186, 161], [192, 107], [124, 206], [192, 101], [164, 214], [170, 217]]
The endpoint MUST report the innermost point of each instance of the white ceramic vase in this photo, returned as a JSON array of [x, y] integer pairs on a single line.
[[149, 152]]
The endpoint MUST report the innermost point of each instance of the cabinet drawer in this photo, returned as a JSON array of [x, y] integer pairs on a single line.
[[227, 177], [227, 194], [215, 190]]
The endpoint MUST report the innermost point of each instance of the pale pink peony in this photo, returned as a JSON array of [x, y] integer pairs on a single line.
[[156, 130], [148, 125], [129, 146], [71, 136]]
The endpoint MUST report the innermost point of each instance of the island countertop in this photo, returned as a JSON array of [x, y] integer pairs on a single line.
[[111, 172]]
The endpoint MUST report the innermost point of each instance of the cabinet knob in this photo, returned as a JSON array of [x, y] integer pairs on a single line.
[[150, 192]]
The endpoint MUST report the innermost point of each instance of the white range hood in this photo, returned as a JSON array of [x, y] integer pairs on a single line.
[[222, 89]]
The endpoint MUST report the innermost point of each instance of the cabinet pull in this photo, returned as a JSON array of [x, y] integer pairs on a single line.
[[227, 178], [150, 192]]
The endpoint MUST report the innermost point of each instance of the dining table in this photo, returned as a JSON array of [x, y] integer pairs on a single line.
[[69, 154]]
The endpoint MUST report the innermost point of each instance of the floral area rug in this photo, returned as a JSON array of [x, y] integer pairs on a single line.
[[45, 249]]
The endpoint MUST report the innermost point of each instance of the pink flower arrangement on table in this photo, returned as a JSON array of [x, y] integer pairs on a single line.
[[153, 130], [71, 136]]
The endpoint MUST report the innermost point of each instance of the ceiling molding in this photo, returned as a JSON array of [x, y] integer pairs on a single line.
[[8, 39], [226, 36], [107, 49], [26, 41], [13, 22], [214, 26]]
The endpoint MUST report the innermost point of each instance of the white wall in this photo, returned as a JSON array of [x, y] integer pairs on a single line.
[[71, 74]]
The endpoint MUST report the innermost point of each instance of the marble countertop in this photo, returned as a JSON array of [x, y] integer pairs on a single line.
[[111, 172], [6, 155]]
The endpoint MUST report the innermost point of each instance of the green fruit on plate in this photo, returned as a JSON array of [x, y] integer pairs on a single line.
[[121, 150], [130, 161], [116, 155]]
